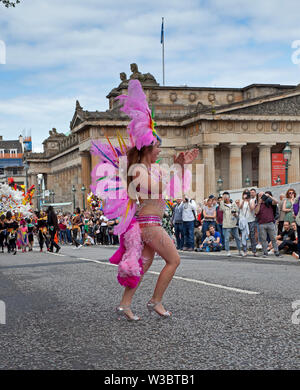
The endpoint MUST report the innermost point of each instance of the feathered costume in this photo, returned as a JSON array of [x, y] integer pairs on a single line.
[[108, 184]]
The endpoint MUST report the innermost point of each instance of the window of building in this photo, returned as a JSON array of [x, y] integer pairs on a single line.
[[15, 171], [1, 151], [13, 152], [1, 171]]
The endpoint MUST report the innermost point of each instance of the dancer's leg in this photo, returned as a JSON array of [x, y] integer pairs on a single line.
[[147, 253], [157, 239]]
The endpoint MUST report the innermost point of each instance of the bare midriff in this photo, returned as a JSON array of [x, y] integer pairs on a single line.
[[151, 207]]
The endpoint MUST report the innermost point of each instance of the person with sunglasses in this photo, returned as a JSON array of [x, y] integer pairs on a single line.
[[287, 206]]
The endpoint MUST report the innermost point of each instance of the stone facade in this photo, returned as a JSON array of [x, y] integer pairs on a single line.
[[235, 129]]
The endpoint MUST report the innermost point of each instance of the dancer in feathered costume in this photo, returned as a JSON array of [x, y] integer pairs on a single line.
[[22, 236], [135, 194]]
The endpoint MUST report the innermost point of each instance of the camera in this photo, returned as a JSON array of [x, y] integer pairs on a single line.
[[247, 193], [264, 197], [233, 212]]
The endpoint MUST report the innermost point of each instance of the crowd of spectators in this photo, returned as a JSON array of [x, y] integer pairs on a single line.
[[86, 228], [257, 221]]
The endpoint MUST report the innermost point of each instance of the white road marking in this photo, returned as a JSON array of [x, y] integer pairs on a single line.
[[212, 284], [97, 261], [56, 254], [186, 279]]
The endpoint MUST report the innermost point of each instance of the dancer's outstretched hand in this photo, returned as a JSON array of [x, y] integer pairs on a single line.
[[186, 157], [190, 156]]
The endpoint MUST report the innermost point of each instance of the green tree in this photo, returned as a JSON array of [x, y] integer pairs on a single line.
[[8, 3]]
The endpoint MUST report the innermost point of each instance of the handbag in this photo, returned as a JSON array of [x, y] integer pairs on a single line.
[[196, 222]]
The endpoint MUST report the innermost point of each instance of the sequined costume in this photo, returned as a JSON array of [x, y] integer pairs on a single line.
[[136, 216]]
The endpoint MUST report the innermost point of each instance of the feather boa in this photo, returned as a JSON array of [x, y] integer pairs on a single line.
[[129, 256]]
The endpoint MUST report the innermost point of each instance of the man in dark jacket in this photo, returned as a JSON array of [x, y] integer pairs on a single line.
[[296, 208], [287, 238], [53, 228]]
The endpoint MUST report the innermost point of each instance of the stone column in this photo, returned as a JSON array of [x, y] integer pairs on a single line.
[[294, 168], [85, 168], [208, 153], [94, 160], [235, 166], [264, 165], [85, 174], [247, 164]]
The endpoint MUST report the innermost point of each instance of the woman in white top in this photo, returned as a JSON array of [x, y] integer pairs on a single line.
[[247, 221]]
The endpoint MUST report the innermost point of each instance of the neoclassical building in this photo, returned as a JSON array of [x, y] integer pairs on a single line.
[[235, 129]]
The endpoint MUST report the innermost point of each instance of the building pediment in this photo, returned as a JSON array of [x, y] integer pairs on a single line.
[[282, 105], [77, 119]]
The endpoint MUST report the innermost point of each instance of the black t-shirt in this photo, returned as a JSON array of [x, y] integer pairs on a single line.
[[288, 235], [11, 225]]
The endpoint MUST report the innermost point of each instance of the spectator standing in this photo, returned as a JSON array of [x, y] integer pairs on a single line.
[[247, 213], [188, 217], [219, 221], [62, 230], [266, 220], [97, 231], [113, 239], [288, 205], [167, 221], [296, 209], [209, 216], [68, 223], [178, 224], [230, 219], [103, 229], [281, 213]]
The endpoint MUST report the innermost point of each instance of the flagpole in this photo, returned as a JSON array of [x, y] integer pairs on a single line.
[[163, 50]]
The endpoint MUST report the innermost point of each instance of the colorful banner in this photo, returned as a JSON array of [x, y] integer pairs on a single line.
[[278, 168]]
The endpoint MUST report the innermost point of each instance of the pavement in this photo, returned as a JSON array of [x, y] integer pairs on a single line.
[[228, 313]]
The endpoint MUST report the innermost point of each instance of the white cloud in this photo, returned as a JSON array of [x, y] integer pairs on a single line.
[[58, 52]]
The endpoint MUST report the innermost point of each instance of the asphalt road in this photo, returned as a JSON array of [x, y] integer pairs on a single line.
[[228, 313]]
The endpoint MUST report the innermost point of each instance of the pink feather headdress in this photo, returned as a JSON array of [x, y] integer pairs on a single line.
[[142, 126]]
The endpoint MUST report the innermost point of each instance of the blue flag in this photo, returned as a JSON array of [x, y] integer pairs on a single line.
[[162, 31]]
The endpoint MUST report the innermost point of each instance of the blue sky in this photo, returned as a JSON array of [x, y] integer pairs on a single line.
[[57, 52]]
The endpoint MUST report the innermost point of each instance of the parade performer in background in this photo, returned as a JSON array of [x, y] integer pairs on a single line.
[[2, 232], [15, 206], [141, 233], [22, 236], [11, 226], [53, 228], [30, 229], [42, 230]]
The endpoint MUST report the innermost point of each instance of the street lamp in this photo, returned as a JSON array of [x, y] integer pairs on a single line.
[[220, 185], [39, 178], [287, 154], [73, 190], [52, 193], [247, 181], [83, 195]]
